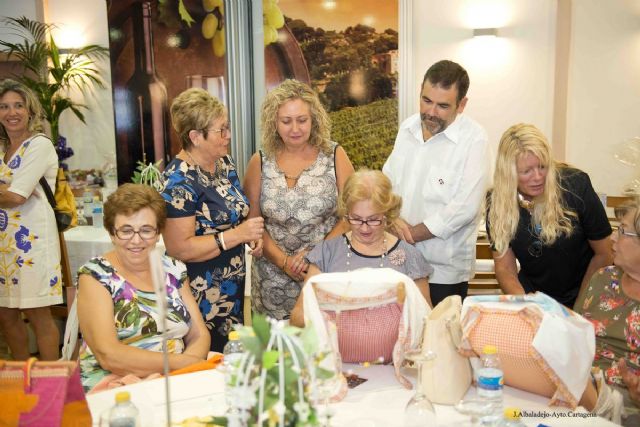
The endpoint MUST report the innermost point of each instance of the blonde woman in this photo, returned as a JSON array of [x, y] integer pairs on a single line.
[[294, 182], [370, 208], [545, 215], [30, 278]]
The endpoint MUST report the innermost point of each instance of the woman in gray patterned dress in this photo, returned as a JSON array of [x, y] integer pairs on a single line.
[[293, 183]]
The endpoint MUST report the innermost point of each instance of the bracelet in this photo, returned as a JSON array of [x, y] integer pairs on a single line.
[[224, 247], [284, 263], [218, 242]]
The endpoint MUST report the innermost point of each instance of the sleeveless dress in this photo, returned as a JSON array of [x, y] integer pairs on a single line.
[[29, 249], [218, 204], [296, 218], [135, 314]]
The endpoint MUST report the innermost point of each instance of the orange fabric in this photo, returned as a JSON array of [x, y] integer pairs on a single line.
[[205, 365], [512, 332]]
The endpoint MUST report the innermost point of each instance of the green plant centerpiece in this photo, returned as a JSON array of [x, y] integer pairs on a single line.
[[50, 74], [270, 386]]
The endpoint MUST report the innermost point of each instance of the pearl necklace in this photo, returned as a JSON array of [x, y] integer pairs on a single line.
[[349, 250]]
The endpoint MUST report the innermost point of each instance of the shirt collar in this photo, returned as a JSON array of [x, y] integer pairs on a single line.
[[452, 132]]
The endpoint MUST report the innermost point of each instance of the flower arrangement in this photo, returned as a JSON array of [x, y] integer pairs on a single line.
[[271, 384]]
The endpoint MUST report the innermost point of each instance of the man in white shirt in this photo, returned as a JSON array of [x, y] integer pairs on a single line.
[[440, 165]]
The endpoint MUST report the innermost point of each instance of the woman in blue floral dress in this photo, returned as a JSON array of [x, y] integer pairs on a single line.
[[207, 211], [30, 279], [118, 309]]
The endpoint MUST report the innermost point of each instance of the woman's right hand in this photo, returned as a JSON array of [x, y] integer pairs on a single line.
[[251, 229]]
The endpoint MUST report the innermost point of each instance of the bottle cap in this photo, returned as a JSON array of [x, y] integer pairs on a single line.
[[512, 413], [234, 336], [122, 396], [489, 349]]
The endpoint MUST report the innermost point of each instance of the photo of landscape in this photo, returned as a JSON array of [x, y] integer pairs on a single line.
[[351, 53]]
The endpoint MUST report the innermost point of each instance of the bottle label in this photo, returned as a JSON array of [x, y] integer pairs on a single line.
[[491, 380]]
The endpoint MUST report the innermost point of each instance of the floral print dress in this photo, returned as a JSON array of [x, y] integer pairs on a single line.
[[218, 204], [29, 249], [136, 314], [616, 320]]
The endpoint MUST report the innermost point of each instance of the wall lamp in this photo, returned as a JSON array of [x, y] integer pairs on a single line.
[[485, 32]]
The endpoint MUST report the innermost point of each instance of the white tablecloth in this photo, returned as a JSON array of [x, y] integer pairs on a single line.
[[379, 402]]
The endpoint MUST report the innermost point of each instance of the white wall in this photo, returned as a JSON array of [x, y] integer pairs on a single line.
[[604, 89], [511, 75], [93, 143]]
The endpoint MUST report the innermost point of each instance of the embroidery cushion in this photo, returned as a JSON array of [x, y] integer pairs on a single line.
[[367, 334], [512, 332]]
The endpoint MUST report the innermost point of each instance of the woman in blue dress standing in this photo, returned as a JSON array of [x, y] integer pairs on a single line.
[[207, 224]]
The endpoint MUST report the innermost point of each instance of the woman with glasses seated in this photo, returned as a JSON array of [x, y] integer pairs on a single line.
[[611, 302], [117, 306], [208, 224], [370, 208], [545, 215]]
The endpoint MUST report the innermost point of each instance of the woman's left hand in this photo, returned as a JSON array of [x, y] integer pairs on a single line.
[[297, 263]]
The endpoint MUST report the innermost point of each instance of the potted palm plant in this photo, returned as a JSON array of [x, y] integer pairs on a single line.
[[50, 73]]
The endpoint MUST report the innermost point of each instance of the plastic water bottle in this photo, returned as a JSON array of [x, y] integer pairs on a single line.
[[490, 384], [124, 413], [232, 351], [87, 206], [512, 418], [97, 214]]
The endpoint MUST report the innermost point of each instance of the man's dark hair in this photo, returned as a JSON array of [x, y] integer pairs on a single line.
[[446, 73]]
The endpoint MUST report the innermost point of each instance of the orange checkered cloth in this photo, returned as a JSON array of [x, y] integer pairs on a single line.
[[544, 348]]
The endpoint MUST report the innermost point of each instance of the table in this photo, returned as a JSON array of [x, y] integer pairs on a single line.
[[379, 402]]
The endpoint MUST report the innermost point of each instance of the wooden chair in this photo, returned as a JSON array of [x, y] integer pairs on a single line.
[[484, 281]]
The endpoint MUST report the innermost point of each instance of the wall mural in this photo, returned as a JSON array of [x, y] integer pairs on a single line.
[[351, 50], [161, 47]]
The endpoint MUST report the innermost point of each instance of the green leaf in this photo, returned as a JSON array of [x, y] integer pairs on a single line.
[[262, 328], [184, 14], [269, 359]]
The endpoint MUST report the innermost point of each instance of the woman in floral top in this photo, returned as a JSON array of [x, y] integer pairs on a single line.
[[611, 301], [117, 307], [207, 211], [370, 207]]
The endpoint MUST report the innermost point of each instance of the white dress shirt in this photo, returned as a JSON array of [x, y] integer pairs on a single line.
[[442, 182]]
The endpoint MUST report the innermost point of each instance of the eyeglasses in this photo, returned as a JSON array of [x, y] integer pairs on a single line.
[[373, 222], [535, 248], [224, 131], [145, 233], [622, 231]]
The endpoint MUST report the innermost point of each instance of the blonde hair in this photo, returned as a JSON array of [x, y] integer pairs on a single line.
[[548, 208], [373, 185], [632, 205], [31, 103], [290, 90], [194, 109]]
